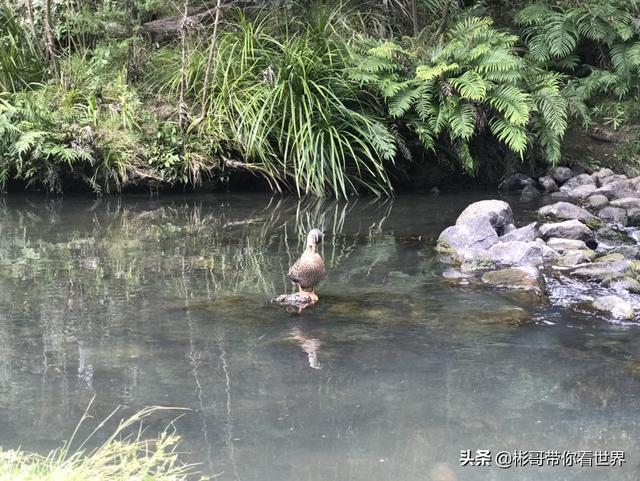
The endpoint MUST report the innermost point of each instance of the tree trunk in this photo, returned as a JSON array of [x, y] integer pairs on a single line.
[[210, 60], [414, 17], [49, 40]]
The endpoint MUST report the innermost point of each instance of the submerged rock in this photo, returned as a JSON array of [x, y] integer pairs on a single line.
[[564, 211], [626, 283], [615, 306], [523, 277], [561, 174], [497, 211], [570, 229], [530, 193]]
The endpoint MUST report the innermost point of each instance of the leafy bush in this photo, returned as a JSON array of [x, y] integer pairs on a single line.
[[473, 83]]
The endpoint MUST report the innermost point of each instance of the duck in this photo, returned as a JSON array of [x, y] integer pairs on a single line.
[[309, 270]]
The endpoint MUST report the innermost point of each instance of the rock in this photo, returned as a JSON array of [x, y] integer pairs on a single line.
[[613, 257], [627, 251], [561, 174], [516, 253], [467, 241], [497, 211], [616, 306], [563, 245], [617, 190], [530, 193], [633, 216], [597, 201], [572, 258], [570, 229], [516, 182], [582, 192], [600, 175], [451, 273], [614, 215], [611, 237], [524, 277], [635, 182], [167, 28], [601, 271], [297, 300], [626, 283], [479, 263], [548, 254], [548, 184], [528, 233], [612, 178], [564, 211], [560, 195], [627, 203], [578, 180]]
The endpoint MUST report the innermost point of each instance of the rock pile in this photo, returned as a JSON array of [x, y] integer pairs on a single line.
[[587, 239]]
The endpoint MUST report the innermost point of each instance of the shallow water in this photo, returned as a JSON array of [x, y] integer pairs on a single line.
[[143, 302]]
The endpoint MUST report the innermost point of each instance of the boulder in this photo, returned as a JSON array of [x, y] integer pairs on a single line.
[[548, 184], [578, 180], [601, 271], [614, 215], [561, 174], [563, 245], [627, 203], [516, 253], [635, 182], [600, 175], [560, 195], [608, 258], [617, 190], [564, 211], [524, 277], [548, 254], [611, 237], [569, 229], [597, 201], [633, 216], [615, 306], [530, 193], [582, 192], [627, 283], [612, 178], [467, 241], [572, 258], [528, 233], [497, 212], [516, 182]]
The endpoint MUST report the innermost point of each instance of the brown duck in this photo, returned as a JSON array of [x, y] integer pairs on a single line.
[[309, 269]]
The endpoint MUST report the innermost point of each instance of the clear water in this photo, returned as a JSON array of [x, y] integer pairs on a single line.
[[143, 302]]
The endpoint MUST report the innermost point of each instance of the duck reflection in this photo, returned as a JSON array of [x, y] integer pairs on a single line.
[[309, 345]]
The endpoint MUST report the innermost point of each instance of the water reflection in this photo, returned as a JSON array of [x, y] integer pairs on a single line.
[[142, 302]]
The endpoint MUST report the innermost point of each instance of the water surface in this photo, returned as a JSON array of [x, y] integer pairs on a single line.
[[138, 301]]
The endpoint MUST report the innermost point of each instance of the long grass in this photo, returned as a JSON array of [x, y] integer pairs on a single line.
[[122, 457], [281, 100]]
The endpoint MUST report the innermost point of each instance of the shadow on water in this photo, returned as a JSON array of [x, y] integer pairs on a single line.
[[143, 302]]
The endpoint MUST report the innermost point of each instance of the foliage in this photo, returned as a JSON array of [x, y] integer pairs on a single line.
[[121, 457], [609, 28], [473, 83], [287, 108]]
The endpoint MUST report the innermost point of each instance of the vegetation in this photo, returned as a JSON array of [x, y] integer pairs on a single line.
[[120, 457], [317, 98]]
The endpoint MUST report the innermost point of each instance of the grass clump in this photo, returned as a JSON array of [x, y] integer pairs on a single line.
[[122, 457]]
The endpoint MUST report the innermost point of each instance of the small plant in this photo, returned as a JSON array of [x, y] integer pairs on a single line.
[[121, 457]]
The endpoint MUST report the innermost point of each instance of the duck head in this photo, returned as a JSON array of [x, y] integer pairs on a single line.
[[314, 237]]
